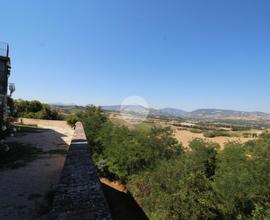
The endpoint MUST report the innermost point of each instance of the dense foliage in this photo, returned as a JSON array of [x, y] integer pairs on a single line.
[[119, 152], [72, 119], [201, 183], [34, 109]]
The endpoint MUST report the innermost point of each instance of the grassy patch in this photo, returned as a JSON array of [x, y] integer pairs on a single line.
[[195, 130], [144, 127], [118, 121], [14, 155]]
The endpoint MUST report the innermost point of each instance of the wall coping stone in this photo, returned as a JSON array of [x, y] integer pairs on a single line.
[[79, 194]]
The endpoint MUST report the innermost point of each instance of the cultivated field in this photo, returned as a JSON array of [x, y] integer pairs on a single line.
[[185, 136], [186, 131]]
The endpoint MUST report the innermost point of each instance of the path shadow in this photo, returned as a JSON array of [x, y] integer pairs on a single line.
[[46, 139], [36, 173], [122, 205]]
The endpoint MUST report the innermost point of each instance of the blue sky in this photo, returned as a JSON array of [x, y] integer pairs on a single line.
[[186, 54]]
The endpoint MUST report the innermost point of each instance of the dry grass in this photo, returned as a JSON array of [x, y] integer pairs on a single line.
[[185, 136]]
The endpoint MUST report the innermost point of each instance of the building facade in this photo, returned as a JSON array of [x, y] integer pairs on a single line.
[[4, 75]]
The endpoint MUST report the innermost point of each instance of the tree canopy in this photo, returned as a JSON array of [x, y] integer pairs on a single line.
[[203, 182], [34, 109]]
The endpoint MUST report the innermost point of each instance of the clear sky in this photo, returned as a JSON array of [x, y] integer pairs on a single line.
[[186, 54]]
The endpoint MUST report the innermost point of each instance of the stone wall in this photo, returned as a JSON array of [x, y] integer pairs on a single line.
[[79, 194]]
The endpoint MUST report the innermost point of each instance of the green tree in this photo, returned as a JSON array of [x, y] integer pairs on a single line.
[[35, 109], [34, 106], [242, 179]]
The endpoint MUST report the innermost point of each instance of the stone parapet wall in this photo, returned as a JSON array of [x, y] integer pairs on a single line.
[[79, 194]]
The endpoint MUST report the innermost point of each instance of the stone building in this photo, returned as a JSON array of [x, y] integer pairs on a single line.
[[4, 74]]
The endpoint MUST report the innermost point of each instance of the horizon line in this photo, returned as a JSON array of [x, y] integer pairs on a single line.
[[159, 108]]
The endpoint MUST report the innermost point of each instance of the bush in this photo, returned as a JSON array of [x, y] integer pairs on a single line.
[[249, 135], [120, 152], [128, 152], [179, 188], [195, 130], [201, 183], [72, 119], [35, 109], [217, 133]]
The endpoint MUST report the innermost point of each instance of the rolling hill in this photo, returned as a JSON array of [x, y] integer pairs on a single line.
[[208, 113]]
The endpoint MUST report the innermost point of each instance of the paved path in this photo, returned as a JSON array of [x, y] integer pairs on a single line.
[[23, 189]]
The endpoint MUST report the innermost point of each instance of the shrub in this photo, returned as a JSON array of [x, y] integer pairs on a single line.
[[179, 188], [35, 109], [195, 130], [72, 119], [216, 133], [120, 152], [202, 183]]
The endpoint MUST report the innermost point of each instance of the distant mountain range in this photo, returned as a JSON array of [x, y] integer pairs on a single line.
[[198, 114], [209, 113]]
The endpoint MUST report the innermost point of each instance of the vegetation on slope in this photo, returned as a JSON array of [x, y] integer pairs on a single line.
[[169, 183]]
